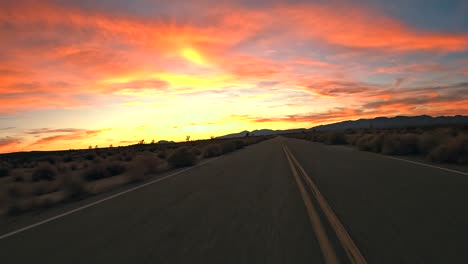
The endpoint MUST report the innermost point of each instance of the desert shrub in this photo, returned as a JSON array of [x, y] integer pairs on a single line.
[[335, 138], [162, 154], [73, 167], [103, 170], [126, 156], [67, 158], [44, 172], [16, 191], [453, 151], [228, 146], [212, 150], [149, 162], [196, 151], [239, 144], [182, 157], [90, 156], [428, 142], [42, 188], [318, 137], [74, 185], [52, 159], [371, 143], [144, 165], [4, 171], [405, 144], [116, 168], [95, 172], [353, 139], [62, 168], [18, 206]]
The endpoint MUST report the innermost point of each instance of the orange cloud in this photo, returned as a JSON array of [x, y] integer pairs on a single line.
[[411, 68], [337, 114], [9, 144], [25, 102], [358, 27], [82, 134]]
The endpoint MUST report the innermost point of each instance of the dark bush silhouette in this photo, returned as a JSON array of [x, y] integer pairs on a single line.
[[44, 172], [196, 151], [428, 142], [405, 144], [101, 171], [149, 163], [67, 158], [336, 138], [116, 168], [371, 143], [17, 191], [90, 156], [453, 151], [239, 144], [74, 186], [182, 157], [162, 154], [228, 146], [212, 150], [4, 172], [144, 165]]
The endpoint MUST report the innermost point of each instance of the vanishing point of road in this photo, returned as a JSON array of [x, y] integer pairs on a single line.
[[280, 201]]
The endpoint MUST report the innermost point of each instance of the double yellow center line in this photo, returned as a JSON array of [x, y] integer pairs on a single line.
[[329, 254]]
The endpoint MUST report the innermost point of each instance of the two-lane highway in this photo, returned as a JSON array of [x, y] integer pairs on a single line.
[[241, 208], [248, 207]]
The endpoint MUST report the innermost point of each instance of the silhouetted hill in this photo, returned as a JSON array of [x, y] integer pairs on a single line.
[[378, 122], [395, 122], [263, 132]]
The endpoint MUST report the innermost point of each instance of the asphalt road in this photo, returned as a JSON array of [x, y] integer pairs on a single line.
[[257, 205]]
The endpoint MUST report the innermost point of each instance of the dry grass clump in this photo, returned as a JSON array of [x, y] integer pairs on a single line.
[[369, 142], [239, 144], [196, 151], [400, 144], [228, 146], [104, 170], [182, 157], [44, 172], [74, 185], [335, 138], [453, 151], [446, 144], [212, 150], [144, 165], [162, 154]]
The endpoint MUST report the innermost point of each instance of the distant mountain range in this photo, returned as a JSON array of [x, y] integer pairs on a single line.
[[378, 122], [395, 122], [263, 132]]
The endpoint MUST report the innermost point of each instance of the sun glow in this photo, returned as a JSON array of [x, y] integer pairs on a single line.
[[193, 56]]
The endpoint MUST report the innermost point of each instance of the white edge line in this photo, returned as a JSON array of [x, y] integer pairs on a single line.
[[410, 161], [420, 163], [98, 202]]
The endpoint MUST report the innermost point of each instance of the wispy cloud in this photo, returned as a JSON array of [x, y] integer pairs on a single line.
[[8, 144]]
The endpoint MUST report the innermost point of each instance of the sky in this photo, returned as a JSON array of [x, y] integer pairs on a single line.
[[113, 72]]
